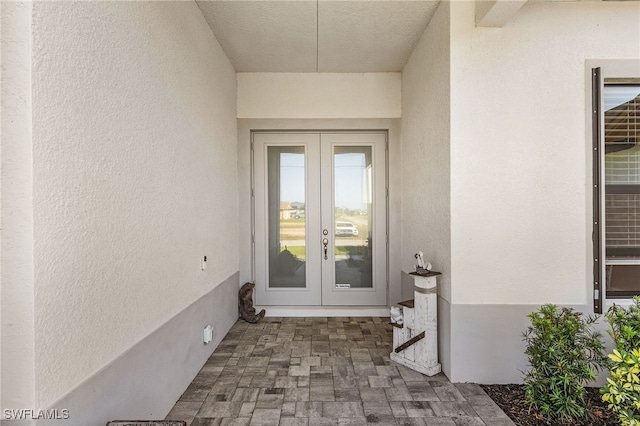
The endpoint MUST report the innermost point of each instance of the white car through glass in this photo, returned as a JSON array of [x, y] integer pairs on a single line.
[[346, 229]]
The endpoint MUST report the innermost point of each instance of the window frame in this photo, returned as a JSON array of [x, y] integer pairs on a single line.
[[614, 72]]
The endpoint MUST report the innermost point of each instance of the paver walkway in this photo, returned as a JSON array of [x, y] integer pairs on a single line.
[[324, 371]]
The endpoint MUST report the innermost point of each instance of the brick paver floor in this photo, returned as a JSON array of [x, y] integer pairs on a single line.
[[324, 371]]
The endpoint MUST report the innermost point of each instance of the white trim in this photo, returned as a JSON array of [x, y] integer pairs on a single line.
[[377, 293], [319, 161], [622, 262], [623, 302], [325, 311]]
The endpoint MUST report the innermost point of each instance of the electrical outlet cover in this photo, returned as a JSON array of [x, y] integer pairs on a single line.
[[208, 334]]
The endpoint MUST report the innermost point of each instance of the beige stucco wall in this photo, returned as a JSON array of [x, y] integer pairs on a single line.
[[426, 181], [426, 190], [519, 148], [133, 148], [134, 178], [319, 95], [495, 140], [17, 347]]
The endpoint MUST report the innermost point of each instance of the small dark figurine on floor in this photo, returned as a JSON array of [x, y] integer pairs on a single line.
[[245, 304]]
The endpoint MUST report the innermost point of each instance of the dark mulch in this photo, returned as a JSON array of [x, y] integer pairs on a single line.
[[511, 400]]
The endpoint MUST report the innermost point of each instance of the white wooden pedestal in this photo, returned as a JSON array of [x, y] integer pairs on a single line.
[[420, 315]]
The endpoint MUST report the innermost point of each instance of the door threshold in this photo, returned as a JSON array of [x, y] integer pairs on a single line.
[[325, 311]]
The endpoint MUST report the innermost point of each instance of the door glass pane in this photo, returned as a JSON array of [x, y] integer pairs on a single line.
[[353, 216], [287, 216]]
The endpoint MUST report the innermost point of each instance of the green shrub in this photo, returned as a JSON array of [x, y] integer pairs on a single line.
[[624, 325], [564, 354], [622, 391]]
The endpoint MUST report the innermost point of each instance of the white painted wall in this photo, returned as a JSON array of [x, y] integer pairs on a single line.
[[494, 132], [319, 95], [135, 178], [426, 170], [519, 148], [426, 197], [17, 350]]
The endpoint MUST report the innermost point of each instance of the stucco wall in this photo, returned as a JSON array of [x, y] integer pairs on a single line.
[[16, 298], [494, 137], [425, 151], [134, 149], [519, 148], [318, 95], [520, 181], [426, 193]]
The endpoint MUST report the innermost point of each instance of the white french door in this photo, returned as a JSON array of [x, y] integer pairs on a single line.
[[320, 218]]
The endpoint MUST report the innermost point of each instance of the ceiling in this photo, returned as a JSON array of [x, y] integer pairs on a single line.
[[331, 35], [318, 35]]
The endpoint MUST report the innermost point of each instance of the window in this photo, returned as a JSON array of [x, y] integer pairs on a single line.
[[617, 186]]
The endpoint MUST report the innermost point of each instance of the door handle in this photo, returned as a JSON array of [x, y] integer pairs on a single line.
[[325, 241]]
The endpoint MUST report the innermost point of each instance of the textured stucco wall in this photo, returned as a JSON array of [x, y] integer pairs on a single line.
[[323, 95], [157, 369], [135, 177], [519, 148], [494, 132], [16, 299], [425, 151], [425, 159]]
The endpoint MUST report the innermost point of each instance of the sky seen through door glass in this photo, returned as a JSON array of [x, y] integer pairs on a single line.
[[349, 175]]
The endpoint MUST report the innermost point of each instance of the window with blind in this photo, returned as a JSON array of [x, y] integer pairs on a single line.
[[620, 186]]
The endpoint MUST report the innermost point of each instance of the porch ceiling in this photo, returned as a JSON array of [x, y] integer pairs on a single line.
[[329, 35], [318, 36]]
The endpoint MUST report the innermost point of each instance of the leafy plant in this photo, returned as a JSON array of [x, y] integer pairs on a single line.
[[564, 354], [622, 391], [625, 325]]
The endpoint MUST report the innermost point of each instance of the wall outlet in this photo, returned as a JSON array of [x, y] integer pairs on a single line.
[[203, 262], [208, 334]]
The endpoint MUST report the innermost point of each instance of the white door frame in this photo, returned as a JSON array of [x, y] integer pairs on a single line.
[[376, 296], [309, 295]]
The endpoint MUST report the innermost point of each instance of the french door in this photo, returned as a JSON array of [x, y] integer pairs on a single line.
[[320, 218]]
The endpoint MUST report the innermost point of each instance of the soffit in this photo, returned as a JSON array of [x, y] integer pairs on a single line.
[[318, 36]]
